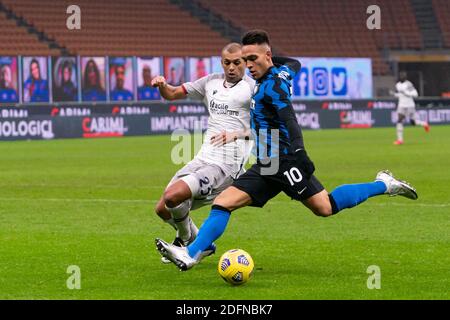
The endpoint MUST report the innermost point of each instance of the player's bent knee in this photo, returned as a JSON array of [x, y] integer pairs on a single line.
[[320, 204], [161, 211], [176, 193], [158, 209], [173, 197], [324, 212]]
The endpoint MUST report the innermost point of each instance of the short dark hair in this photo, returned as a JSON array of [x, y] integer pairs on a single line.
[[256, 37]]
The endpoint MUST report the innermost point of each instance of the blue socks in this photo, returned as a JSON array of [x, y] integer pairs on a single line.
[[350, 195], [212, 229], [345, 196]]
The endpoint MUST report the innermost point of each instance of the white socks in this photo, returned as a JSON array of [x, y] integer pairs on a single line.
[[400, 131], [185, 226], [172, 223]]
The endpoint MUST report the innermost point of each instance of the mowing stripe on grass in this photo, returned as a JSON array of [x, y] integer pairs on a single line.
[[435, 205]]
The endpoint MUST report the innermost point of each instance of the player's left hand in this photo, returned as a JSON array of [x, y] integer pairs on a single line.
[[304, 163], [223, 138]]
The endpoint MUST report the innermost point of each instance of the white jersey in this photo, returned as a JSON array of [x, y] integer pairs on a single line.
[[229, 110], [406, 94]]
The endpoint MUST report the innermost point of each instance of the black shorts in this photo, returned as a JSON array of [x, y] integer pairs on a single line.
[[289, 179]]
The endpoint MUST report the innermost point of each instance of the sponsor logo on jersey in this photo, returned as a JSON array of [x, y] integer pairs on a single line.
[[221, 108]]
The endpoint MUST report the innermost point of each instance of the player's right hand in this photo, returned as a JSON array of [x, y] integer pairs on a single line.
[[304, 163], [159, 81], [223, 138]]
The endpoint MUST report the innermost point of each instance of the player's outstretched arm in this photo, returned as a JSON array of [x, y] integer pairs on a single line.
[[167, 91]]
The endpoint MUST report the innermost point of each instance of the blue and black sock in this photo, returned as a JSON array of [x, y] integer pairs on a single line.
[[350, 195], [212, 229]]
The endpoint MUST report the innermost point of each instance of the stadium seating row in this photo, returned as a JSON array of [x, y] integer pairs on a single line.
[[158, 27]]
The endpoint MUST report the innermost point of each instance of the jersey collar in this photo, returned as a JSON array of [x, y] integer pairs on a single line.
[[268, 72]]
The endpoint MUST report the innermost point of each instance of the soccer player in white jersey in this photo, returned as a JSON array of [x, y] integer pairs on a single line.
[[405, 92], [225, 149]]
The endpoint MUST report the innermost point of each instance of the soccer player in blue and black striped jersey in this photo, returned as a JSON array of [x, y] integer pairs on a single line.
[[283, 164]]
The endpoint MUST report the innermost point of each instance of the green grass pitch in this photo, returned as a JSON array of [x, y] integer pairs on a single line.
[[90, 203]]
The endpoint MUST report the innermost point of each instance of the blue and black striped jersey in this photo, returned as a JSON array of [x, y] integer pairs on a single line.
[[271, 102]]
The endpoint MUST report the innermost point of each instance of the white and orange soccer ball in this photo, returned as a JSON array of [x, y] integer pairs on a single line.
[[236, 266]]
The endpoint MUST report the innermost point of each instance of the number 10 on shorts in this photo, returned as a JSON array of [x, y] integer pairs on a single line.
[[294, 175]]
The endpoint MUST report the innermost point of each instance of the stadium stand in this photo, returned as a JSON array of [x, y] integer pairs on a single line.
[[442, 12], [17, 39], [161, 27], [154, 27], [316, 28]]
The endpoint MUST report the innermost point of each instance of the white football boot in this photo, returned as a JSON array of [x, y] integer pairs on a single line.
[[396, 187], [178, 255], [176, 242], [180, 243]]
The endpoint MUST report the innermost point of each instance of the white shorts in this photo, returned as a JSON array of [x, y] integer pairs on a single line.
[[206, 181], [408, 112]]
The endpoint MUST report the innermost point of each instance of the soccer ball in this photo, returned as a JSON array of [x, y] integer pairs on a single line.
[[236, 266]]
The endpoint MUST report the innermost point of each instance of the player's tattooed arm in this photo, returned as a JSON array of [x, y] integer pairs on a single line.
[[167, 91]]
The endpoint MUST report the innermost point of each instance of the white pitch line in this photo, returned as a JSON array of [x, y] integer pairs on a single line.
[[396, 204], [434, 205], [415, 204], [25, 185], [80, 200]]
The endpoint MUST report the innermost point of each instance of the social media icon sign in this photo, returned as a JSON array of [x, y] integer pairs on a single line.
[[301, 83], [320, 81], [339, 81]]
